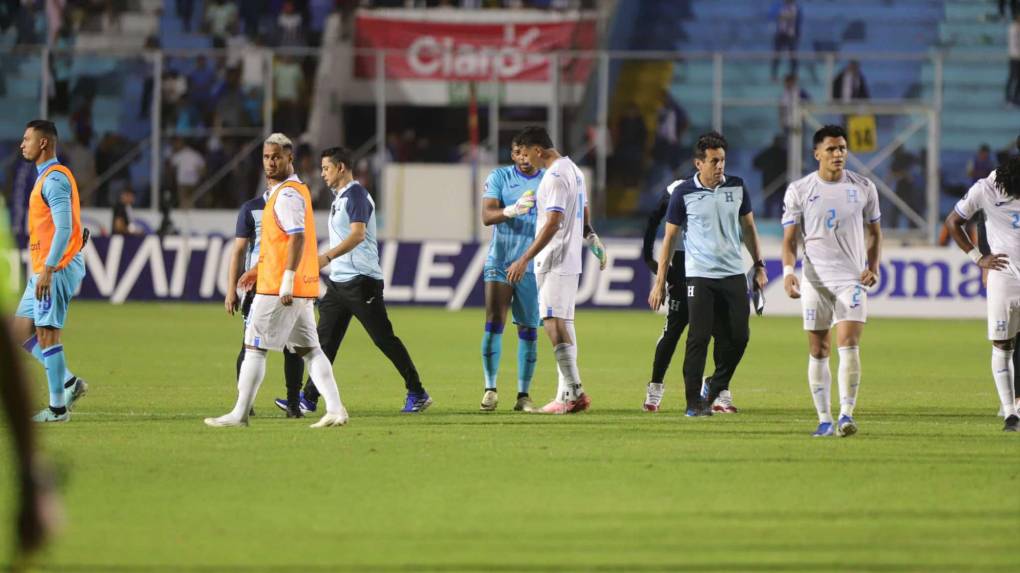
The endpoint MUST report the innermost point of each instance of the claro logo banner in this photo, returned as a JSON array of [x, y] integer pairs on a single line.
[[473, 45], [914, 282]]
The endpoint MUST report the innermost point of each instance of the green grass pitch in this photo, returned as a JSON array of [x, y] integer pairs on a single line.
[[929, 483]]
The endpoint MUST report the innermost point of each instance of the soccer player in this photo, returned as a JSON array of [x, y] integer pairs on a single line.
[[55, 242], [247, 237], [355, 286], [562, 230], [998, 195], [835, 213], [282, 312], [676, 315], [39, 510], [715, 211], [508, 205]]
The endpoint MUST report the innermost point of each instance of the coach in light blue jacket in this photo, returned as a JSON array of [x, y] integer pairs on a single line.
[[355, 285]]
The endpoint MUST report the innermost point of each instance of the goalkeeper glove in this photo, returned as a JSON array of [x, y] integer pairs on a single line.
[[521, 207], [597, 249]]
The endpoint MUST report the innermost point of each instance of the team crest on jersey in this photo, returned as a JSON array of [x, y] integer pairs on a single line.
[[729, 196], [851, 195]]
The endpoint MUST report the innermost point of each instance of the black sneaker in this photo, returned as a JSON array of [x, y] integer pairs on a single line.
[[294, 410], [1012, 424], [251, 412]]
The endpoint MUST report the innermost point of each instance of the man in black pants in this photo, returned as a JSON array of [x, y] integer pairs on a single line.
[[676, 316], [355, 285], [247, 238], [715, 212]]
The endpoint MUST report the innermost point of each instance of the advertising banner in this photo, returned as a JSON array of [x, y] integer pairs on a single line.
[[914, 282], [511, 46]]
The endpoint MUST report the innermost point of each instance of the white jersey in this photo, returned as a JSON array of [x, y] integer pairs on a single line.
[[832, 217], [561, 190], [290, 207], [1002, 219]]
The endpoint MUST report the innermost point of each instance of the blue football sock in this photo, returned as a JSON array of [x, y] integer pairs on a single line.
[[492, 349], [527, 356], [53, 359], [32, 347]]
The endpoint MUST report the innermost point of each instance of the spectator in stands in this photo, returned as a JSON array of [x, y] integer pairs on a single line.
[[111, 149], [1014, 8], [288, 85], [201, 82], [187, 167], [145, 106], [175, 87], [122, 223], [771, 162], [82, 162], [1013, 83], [981, 165], [671, 124], [185, 10], [231, 110], [251, 12], [218, 16], [849, 84], [291, 27], [631, 137], [788, 16], [791, 92], [902, 170]]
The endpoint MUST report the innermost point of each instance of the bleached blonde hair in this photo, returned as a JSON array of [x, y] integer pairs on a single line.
[[280, 139]]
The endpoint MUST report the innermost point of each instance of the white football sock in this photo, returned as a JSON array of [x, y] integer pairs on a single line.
[[570, 379], [321, 373], [820, 383], [849, 378], [1001, 366], [253, 370]]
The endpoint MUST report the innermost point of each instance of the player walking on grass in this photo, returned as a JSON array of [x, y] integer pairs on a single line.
[[676, 314], [508, 206], [715, 212], [834, 212], [998, 195], [355, 285], [56, 238], [561, 233], [39, 510], [282, 312], [247, 238]]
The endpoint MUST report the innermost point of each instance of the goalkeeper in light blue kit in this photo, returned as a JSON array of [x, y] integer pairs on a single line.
[[508, 205]]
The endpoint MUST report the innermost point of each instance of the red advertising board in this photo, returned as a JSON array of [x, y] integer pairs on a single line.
[[459, 50]]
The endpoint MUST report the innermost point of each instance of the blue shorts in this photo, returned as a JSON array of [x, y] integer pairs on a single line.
[[524, 303], [52, 312]]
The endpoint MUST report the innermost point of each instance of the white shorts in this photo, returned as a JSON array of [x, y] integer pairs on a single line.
[[557, 295], [271, 326], [824, 306], [1003, 306]]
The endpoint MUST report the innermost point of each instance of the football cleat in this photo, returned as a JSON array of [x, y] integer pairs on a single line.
[[332, 420], [653, 396], [294, 411], [307, 406], [824, 430], [226, 422], [724, 403], [1012, 424], [846, 427], [554, 407], [582, 403], [698, 411], [704, 387], [524, 404], [489, 401], [416, 402], [76, 392], [46, 416]]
